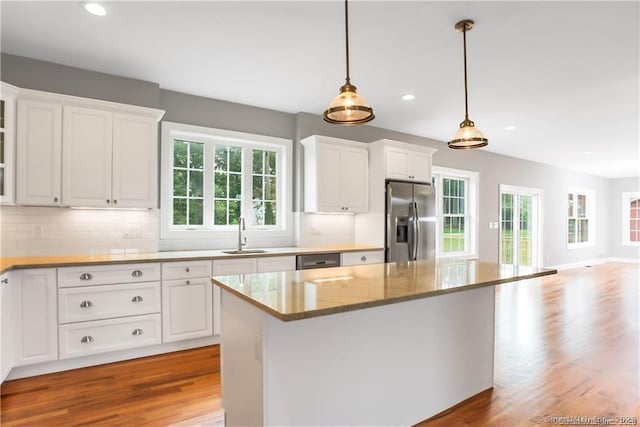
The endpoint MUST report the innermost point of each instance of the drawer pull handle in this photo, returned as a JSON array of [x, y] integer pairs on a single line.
[[86, 339], [187, 269], [137, 298], [136, 273], [363, 258], [5, 280], [188, 282], [86, 276], [137, 331], [86, 304]]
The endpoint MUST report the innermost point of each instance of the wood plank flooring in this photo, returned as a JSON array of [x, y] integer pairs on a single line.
[[566, 345]]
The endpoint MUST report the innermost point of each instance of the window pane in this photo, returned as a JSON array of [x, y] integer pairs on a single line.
[[235, 186], [257, 187], [1, 181], [196, 151], [180, 182], [235, 159], [179, 211], [572, 231], [257, 161], [234, 211], [179, 154], [195, 183], [195, 211], [220, 160], [270, 188], [270, 213], [2, 147], [582, 206], [220, 184], [271, 168], [570, 205], [220, 212], [258, 212], [445, 187], [583, 230]]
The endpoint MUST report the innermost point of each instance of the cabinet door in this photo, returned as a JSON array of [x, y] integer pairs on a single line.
[[35, 315], [86, 157], [39, 153], [421, 165], [278, 263], [187, 309], [355, 182], [7, 343], [7, 143], [397, 163], [135, 162], [329, 179], [223, 267]]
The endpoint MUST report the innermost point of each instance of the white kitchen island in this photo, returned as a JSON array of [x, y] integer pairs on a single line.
[[382, 344]]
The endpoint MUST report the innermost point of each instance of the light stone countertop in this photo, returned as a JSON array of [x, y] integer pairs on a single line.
[[7, 264], [295, 295]]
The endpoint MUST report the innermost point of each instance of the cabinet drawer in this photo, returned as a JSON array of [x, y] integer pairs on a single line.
[[222, 267], [361, 258], [103, 302], [185, 269], [276, 263], [100, 336], [108, 274]]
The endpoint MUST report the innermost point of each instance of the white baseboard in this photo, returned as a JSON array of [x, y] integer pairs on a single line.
[[115, 356], [588, 263]]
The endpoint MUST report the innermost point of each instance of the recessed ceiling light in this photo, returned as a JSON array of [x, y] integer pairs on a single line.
[[95, 8], [408, 97], [510, 128]]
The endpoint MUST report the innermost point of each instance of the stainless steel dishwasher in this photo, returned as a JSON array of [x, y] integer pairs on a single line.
[[307, 262]]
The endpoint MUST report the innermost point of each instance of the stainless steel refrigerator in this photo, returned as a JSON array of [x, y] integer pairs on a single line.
[[411, 222]]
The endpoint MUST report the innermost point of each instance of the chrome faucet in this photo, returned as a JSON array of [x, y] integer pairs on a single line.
[[242, 241]]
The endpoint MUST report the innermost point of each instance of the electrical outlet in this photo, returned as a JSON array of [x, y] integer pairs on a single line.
[[132, 234]]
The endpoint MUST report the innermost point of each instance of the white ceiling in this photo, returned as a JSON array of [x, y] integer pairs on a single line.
[[566, 74]]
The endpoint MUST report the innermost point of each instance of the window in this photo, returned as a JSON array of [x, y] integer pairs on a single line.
[[580, 218], [631, 219], [457, 208], [211, 177]]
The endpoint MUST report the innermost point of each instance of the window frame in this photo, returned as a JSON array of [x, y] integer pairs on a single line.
[[226, 235], [472, 186], [627, 196], [590, 215]]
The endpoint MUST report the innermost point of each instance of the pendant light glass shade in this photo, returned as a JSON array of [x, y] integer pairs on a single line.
[[467, 136], [348, 108]]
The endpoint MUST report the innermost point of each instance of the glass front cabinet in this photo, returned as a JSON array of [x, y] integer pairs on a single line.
[[7, 142]]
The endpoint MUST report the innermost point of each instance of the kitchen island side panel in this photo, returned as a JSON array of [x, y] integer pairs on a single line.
[[396, 364]]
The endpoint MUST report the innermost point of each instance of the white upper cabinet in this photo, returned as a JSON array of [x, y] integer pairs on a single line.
[[7, 141], [86, 157], [39, 166], [86, 153], [406, 162], [135, 161], [336, 175]]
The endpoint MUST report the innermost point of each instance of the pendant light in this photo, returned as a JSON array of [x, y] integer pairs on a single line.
[[468, 135], [348, 108]]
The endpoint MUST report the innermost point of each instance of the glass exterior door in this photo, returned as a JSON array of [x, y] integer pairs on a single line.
[[519, 227]]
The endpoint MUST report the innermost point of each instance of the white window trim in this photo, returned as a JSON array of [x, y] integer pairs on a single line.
[[591, 216], [626, 198], [472, 204], [225, 236]]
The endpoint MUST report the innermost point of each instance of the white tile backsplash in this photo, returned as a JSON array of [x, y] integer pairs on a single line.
[[325, 229], [41, 231]]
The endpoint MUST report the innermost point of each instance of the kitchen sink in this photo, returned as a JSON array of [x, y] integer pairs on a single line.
[[245, 251]]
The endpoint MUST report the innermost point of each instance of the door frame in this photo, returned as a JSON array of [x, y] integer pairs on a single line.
[[525, 191]]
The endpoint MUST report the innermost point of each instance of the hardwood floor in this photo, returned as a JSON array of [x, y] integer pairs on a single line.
[[566, 345]]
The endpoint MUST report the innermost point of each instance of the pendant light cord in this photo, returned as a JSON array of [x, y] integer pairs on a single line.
[[346, 35], [466, 97]]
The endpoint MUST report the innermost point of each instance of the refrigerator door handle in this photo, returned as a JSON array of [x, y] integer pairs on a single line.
[[411, 238], [416, 232]]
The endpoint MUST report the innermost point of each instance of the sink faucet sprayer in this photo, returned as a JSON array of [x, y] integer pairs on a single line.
[[242, 241]]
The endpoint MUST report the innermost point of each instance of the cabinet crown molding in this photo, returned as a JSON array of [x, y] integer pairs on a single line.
[[331, 140], [404, 145], [76, 101]]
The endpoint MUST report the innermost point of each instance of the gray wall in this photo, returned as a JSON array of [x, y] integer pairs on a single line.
[[494, 169], [616, 249]]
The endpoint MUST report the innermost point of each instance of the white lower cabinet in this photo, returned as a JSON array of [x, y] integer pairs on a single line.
[[104, 308], [276, 263], [35, 316], [7, 344], [361, 258], [82, 339], [187, 300]]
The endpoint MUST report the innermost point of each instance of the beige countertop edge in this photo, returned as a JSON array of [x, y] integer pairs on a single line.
[[18, 263], [287, 317]]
